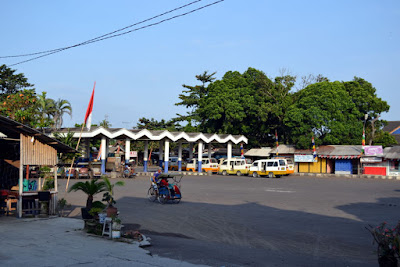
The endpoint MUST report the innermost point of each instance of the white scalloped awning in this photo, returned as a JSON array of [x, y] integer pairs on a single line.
[[122, 133]]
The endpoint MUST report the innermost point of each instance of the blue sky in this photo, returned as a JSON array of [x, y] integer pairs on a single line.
[[141, 74]]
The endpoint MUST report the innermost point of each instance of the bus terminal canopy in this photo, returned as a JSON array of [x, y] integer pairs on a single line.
[[163, 136]]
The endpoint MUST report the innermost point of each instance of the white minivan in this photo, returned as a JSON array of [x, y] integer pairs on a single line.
[[269, 167]]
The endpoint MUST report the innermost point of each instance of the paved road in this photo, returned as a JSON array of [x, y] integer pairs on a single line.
[[243, 221]]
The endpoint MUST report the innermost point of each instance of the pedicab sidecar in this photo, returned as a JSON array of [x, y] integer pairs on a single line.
[[167, 188]]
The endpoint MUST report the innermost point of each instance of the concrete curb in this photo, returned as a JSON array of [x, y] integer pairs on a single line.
[[183, 173], [362, 176]]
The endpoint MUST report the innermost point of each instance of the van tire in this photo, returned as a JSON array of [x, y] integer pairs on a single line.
[[224, 173], [255, 174], [239, 173], [277, 176], [271, 175]]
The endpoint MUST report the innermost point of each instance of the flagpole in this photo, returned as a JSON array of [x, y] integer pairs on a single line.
[[88, 120], [72, 163]]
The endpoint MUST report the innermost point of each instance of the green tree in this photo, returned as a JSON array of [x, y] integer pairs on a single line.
[[11, 83], [332, 111], [61, 107], [152, 124], [45, 108], [20, 107], [191, 97]]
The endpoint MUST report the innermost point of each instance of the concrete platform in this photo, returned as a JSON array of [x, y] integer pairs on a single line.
[[61, 241]]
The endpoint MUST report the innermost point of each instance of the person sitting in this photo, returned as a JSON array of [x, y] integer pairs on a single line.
[[155, 176]]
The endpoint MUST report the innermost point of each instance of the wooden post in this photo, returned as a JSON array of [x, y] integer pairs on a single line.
[[72, 163], [21, 176]]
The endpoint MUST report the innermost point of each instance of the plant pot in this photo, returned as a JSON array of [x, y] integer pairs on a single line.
[[115, 234], [85, 214], [112, 211]]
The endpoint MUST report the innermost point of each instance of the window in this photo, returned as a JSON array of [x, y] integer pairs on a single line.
[[275, 164], [213, 160], [270, 163], [282, 162], [224, 163], [255, 164]]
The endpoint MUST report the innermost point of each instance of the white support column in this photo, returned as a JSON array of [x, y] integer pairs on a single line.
[[127, 150], [103, 154], [209, 150], [200, 155], [180, 156], [160, 153], [190, 150], [229, 150], [166, 155], [145, 155]]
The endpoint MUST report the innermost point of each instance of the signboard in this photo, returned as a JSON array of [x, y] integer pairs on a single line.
[[133, 154], [370, 160], [373, 151], [304, 158]]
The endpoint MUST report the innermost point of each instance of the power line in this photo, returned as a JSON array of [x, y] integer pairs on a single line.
[[113, 34], [88, 41]]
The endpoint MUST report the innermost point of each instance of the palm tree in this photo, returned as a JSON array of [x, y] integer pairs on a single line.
[[61, 107], [90, 188], [45, 109]]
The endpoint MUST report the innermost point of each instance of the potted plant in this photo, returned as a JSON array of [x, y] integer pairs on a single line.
[[116, 227], [90, 188], [108, 196], [388, 241]]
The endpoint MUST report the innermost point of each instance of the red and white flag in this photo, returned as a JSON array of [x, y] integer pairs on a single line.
[[88, 116]]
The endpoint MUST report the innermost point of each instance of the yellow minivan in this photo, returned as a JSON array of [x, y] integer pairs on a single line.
[[234, 166]]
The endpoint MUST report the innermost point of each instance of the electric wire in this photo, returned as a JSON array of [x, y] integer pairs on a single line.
[[113, 34], [124, 28]]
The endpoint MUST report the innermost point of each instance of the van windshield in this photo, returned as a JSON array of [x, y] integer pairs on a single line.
[[282, 162], [213, 160]]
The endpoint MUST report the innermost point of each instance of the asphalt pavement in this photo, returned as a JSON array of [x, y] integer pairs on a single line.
[[243, 221]]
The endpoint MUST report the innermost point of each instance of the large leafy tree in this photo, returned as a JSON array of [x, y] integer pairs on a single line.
[[20, 107], [191, 97], [333, 112], [11, 83], [249, 103]]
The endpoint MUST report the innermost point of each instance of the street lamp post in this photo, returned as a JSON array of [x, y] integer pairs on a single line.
[[363, 141]]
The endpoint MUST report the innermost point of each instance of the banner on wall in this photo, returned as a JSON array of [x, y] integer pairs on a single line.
[[305, 158], [373, 151]]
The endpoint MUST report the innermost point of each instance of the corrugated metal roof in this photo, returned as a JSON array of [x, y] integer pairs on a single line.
[[12, 129], [284, 149], [258, 152], [391, 152]]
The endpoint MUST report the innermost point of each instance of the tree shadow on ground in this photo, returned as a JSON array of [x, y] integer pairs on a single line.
[[257, 235]]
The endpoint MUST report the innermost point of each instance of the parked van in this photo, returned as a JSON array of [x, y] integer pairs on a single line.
[[207, 164], [269, 167], [173, 164], [236, 166]]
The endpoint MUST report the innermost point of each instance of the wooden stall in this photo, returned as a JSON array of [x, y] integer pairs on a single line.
[[20, 148]]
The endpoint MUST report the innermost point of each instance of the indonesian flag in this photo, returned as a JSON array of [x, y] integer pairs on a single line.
[[88, 116]]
